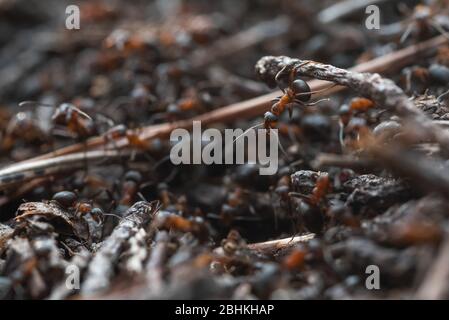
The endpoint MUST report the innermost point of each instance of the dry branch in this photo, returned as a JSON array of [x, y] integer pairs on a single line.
[[280, 244], [101, 268]]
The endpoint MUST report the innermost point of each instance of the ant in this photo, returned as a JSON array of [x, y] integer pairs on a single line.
[[347, 119], [321, 189], [22, 126], [76, 121], [130, 188], [195, 225], [421, 20], [296, 91], [132, 136], [69, 200], [135, 141], [311, 206]]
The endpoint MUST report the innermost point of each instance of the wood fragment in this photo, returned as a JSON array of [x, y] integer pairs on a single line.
[[101, 268], [29, 170], [280, 244]]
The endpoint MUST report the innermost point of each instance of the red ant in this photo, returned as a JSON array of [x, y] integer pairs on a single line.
[[66, 114], [347, 112], [422, 19], [297, 91], [133, 137], [311, 207], [130, 188], [23, 127], [322, 187]]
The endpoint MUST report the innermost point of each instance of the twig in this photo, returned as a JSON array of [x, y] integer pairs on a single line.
[[435, 284], [384, 92], [280, 244], [101, 268], [29, 170]]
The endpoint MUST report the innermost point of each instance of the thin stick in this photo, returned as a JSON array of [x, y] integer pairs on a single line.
[[275, 245], [24, 171]]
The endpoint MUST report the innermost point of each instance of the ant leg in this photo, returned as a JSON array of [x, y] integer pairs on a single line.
[[316, 102], [406, 33], [299, 195], [280, 72], [441, 96], [290, 110], [133, 155], [439, 28], [280, 145], [341, 135], [86, 163], [278, 79]]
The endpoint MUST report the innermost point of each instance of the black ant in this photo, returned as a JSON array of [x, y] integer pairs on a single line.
[[23, 127], [67, 115], [130, 188]]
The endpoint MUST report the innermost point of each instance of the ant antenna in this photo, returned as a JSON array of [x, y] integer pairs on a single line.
[[316, 91], [406, 33], [280, 145], [442, 95], [248, 130], [317, 102], [117, 216], [142, 197], [298, 195], [30, 103], [82, 112], [160, 162], [341, 133]]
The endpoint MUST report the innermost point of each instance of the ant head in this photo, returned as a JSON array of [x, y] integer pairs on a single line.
[[270, 120], [301, 90], [133, 176], [120, 130]]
